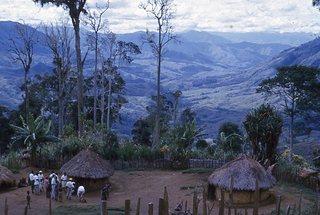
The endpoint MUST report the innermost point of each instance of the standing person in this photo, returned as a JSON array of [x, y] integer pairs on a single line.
[[41, 181], [70, 187], [28, 199], [36, 183], [31, 181], [80, 192], [47, 187], [53, 186], [64, 179]]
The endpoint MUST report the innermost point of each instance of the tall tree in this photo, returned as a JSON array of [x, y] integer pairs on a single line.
[[162, 12], [22, 51], [116, 54], [290, 85], [97, 22], [264, 126], [176, 95], [59, 41], [75, 8]]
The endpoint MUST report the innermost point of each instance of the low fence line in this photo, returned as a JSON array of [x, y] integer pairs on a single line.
[[161, 163]]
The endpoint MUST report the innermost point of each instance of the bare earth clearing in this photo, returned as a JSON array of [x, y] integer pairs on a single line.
[[145, 184]]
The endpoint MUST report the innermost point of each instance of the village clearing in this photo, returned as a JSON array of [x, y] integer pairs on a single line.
[[148, 185]]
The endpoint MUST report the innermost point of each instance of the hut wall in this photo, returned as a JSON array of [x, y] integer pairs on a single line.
[[243, 197], [91, 184]]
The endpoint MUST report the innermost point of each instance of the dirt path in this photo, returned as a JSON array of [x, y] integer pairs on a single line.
[[148, 185]]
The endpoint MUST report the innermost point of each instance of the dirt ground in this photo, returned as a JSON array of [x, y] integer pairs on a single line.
[[148, 185]]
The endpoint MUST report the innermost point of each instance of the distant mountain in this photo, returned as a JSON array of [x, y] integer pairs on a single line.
[[212, 71], [292, 39]]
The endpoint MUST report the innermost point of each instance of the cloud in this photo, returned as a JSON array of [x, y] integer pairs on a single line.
[[210, 15]]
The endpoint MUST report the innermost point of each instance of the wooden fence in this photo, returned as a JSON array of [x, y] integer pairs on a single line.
[[312, 182], [166, 164]]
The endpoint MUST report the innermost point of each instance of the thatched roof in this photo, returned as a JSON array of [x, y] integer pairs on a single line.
[[88, 164], [6, 177], [245, 171]]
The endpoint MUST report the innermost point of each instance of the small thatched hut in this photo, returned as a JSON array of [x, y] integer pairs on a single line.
[[88, 169], [245, 171], [7, 178]]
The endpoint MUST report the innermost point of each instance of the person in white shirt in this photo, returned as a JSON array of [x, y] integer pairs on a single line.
[[80, 192], [53, 187], [41, 181], [64, 179], [31, 181], [36, 184], [70, 187]]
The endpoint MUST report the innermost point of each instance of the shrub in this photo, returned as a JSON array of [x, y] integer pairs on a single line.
[[11, 161], [264, 126], [201, 144]]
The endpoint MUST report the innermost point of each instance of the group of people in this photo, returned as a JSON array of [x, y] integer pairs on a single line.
[[54, 186]]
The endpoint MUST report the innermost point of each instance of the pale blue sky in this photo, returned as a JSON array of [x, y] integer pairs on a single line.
[[209, 15]]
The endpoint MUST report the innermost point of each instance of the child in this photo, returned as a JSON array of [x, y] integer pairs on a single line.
[[28, 199]]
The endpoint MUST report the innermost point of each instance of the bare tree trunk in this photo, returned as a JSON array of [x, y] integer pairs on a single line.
[[60, 103], [157, 123], [80, 77], [95, 94], [109, 103], [26, 95], [102, 102], [291, 134]]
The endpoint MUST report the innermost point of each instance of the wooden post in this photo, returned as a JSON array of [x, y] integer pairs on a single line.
[[256, 199], [26, 210], [300, 202], [161, 206], [317, 202], [221, 203], [186, 206], [50, 207], [204, 200], [231, 194], [6, 207], [166, 201], [150, 209], [195, 204], [104, 210], [127, 207], [288, 210], [138, 207], [278, 205]]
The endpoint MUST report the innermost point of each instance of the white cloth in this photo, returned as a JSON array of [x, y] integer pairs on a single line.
[[31, 177], [64, 179], [53, 181], [80, 191], [36, 180], [70, 184]]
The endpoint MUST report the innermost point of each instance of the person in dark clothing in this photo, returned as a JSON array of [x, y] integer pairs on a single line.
[[28, 199]]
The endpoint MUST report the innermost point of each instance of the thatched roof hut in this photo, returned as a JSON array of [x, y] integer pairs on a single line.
[[88, 169], [245, 172], [7, 178]]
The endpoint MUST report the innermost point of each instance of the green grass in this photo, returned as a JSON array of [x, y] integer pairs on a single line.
[[85, 210], [196, 171]]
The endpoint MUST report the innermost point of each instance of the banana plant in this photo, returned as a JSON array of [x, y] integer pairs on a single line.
[[33, 134]]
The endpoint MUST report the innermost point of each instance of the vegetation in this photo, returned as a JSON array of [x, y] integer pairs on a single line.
[[296, 86], [264, 126]]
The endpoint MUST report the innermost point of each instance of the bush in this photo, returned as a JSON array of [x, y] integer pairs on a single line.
[[201, 144], [11, 161], [292, 166]]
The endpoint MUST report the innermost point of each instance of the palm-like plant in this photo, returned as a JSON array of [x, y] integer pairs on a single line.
[[33, 133]]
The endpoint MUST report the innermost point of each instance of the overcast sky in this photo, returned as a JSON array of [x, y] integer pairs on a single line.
[[208, 15]]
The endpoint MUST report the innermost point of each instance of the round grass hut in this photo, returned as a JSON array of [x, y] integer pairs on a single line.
[[245, 172], [7, 178], [87, 168]]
